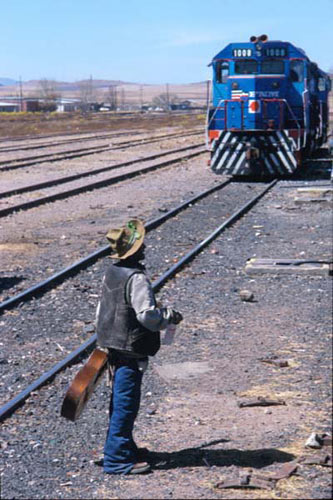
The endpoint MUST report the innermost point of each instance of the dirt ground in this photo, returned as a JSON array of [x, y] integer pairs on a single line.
[[190, 417]]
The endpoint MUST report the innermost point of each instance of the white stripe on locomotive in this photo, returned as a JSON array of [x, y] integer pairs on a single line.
[[241, 160], [291, 156], [275, 160], [222, 141], [226, 153], [235, 155]]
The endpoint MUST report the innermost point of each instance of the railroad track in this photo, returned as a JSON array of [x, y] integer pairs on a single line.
[[15, 163], [56, 156], [86, 138], [9, 149], [70, 178], [63, 134], [96, 184], [40, 136], [18, 400]]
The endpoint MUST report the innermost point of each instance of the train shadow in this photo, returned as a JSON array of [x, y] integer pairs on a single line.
[[313, 173], [318, 166], [321, 171], [7, 282], [200, 457]]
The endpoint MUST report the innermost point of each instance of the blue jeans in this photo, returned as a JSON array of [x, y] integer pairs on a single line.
[[120, 448]]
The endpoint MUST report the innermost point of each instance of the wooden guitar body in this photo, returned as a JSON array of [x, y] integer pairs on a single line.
[[83, 385]]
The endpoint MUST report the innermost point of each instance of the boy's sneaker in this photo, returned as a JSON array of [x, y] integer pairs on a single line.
[[142, 454], [140, 468]]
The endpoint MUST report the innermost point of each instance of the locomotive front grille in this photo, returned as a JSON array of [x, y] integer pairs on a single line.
[[267, 154]]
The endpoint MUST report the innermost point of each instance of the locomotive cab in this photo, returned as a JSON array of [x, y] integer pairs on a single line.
[[251, 88]]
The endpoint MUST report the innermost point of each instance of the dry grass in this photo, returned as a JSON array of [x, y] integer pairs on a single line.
[[34, 124]]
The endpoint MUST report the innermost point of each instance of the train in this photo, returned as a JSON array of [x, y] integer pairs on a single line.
[[268, 109]]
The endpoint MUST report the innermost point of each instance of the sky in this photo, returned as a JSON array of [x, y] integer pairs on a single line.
[[149, 41]]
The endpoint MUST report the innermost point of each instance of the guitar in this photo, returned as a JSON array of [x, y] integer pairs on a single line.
[[83, 385]]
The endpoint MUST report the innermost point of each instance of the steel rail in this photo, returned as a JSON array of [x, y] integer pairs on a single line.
[[9, 149], [138, 142], [78, 153], [70, 178], [7, 409], [42, 136], [47, 155], [204, 243], [71, 270], [94, 185]]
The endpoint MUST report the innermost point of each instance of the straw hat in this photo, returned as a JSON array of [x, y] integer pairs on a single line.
[[126, 240]]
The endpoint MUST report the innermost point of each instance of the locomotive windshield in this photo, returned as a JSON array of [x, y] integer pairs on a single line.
[[272, 67], [248, 67]]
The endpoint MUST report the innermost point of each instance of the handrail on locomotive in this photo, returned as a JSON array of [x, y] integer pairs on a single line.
[[282, 103]]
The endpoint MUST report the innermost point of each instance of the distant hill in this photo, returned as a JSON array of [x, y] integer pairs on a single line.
[[7, 81], [127, 93]]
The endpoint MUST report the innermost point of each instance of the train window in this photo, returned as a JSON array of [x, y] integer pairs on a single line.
[[222, 72], [246, 67], [296, 71], [321, 84], [272, 67]]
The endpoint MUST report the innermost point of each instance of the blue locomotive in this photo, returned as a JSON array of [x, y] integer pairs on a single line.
[[269, 108]]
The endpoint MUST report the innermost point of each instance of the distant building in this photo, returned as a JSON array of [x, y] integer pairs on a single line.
[[31, 105], [9, 107], [67, 105], [180, 105], [15, 104]]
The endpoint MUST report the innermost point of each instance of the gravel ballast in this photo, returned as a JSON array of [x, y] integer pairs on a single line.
[[189, 418]]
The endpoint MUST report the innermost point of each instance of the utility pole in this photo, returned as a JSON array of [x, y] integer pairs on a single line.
[[141, 97], [21, 94], [113, 97], [123, 97], [168, 98], [90, 89], [207, 94]]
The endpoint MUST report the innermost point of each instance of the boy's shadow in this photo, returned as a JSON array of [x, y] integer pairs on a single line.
[[7, 282], [201, 457]]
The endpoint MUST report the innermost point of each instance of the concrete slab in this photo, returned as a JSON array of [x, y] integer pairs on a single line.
[[302, 201], [288, 266], [316, 191], [314, 195], [185, 370]]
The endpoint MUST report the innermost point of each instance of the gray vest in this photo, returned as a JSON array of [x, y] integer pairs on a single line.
[[117, 326]]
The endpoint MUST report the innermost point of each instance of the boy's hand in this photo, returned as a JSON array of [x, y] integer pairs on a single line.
[[176, 317]]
